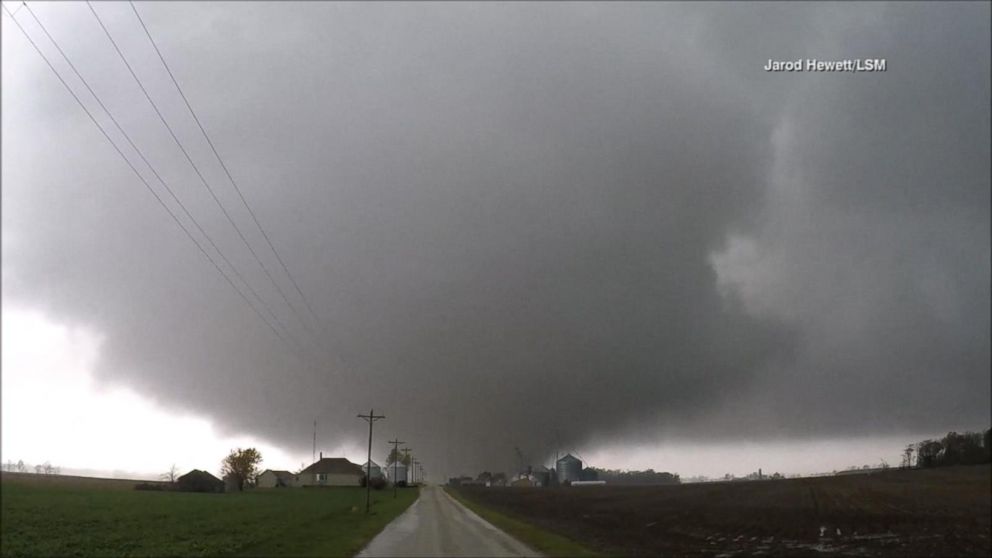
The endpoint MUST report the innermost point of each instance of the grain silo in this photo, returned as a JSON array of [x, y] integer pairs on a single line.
[[569, 468]]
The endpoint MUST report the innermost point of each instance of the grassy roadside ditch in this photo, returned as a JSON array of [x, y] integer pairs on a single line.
[[546, 542]]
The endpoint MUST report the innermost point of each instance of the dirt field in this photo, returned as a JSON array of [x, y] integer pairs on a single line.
[[937, 512], [71, 481]]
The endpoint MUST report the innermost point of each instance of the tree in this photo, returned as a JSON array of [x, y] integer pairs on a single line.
[[907, 456], [46, 468], [21, 467], [395, 455], [927, 452], [962, 449], [171, 474], [242, 464]]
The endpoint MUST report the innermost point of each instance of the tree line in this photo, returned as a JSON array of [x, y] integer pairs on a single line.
[[45, 468], [969, 448], [650, 476]]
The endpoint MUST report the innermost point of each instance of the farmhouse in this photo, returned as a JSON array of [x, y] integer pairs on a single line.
[[332, 471], [275, 479]]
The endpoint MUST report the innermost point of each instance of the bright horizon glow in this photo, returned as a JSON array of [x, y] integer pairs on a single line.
[[794, 457], [54, 411]]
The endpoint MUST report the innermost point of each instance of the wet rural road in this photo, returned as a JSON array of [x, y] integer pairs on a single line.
[[437, 525]]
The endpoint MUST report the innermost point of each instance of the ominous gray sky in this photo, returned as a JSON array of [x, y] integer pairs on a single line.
[[548, 226]]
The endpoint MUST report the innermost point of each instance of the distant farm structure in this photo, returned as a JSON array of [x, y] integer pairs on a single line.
[[276, 479], [199, 481], [331, 471], [568, 469]]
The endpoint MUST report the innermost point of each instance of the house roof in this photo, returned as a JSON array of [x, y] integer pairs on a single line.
[[366, 464], [333, 465], [196, 473]]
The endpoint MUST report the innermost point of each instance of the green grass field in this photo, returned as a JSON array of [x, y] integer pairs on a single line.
[[60, 518]]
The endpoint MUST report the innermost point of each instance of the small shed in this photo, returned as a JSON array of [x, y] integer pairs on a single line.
[[271, 478], [231, 483]]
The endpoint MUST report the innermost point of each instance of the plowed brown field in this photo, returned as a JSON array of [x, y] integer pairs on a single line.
[[936, 512]]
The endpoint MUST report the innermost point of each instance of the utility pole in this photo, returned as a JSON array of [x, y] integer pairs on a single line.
[[370, 418], [407, 462], [396, 457], [313, 456]]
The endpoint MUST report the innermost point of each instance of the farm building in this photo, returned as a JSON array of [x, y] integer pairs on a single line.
[[396, 472], [199, 481], [569, 468], [541, 475], [375, 472], [331, 471], [275, 479]]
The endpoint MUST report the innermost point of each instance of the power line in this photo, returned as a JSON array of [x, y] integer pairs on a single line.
[[151, 167], [228, 172], [138, 174], [179, 144]]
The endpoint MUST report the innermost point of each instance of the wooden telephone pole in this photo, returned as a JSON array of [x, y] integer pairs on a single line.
[[407, 462], [370, 418], [396, 457]]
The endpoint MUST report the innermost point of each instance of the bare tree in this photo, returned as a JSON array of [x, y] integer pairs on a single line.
[[21, 467], [171, 474], [907, 456]]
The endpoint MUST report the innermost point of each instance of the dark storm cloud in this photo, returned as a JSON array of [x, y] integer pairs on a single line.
[[529, 225]]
